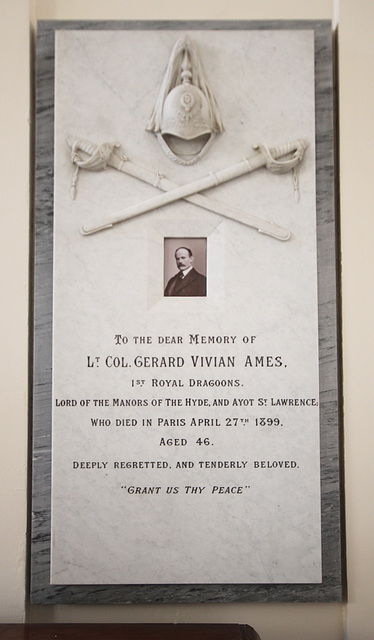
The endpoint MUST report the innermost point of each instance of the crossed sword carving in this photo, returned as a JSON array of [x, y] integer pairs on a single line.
[[104, 155]]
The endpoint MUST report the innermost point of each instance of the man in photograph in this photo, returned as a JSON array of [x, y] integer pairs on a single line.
[[188, 282]]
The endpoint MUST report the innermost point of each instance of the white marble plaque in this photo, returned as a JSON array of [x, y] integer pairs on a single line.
[[185, 440]]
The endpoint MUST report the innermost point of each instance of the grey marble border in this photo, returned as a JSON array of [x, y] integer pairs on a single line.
[[332, 587]]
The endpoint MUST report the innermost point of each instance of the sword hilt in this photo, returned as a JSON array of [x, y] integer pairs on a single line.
[[297, 148], [79, 144], [98, 159]]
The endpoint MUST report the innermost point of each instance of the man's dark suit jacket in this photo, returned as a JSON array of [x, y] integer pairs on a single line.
[[194, 284]]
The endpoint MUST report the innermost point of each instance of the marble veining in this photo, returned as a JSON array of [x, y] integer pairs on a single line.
[[332, 584]]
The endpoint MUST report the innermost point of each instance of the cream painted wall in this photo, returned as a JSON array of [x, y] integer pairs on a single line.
[[14, 180], [357, 196], [354, 620]]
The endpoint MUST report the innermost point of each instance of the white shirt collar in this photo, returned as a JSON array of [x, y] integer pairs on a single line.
[[186, 271]]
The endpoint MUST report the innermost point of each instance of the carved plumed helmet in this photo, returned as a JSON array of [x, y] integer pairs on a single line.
[[186, 116], [186, 113]]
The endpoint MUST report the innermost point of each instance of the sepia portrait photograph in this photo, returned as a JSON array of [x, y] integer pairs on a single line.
[[189, 257]]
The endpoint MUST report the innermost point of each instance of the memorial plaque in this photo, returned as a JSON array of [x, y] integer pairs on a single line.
[[186, 432]]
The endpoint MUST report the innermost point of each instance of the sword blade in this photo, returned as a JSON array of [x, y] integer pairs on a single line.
[[179, 193], [205, 202], [190, 191]]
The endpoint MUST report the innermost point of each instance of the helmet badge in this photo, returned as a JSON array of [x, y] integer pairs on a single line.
[[185, 117]]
